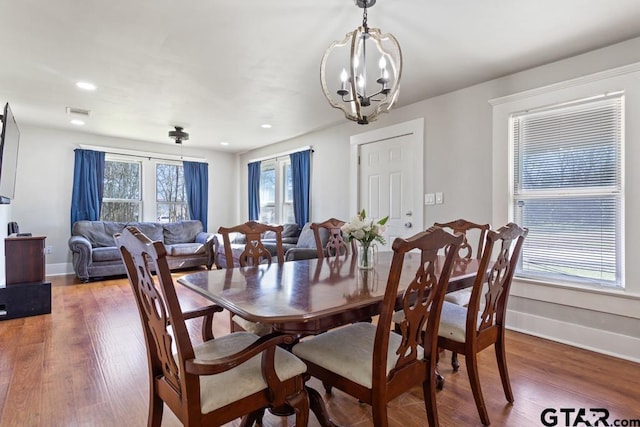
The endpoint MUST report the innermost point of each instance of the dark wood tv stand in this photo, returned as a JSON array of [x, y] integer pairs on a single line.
[[26, 292]]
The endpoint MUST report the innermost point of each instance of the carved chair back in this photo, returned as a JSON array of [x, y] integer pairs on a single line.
[[422, 300], [336, 245], [492, 289], [466, 250], [160, 313], [254, 252]]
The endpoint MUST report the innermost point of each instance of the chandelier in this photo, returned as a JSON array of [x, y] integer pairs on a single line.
[[371, 64]]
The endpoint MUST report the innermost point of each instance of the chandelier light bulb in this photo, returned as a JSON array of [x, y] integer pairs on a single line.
[[344, 77]]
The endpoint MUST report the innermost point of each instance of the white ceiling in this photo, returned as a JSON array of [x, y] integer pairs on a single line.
[[221, 68]]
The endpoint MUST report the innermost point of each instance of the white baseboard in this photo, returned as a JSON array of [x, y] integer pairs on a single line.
[[600, 341], [59, 269]]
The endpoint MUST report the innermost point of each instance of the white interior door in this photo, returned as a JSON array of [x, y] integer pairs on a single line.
[[389, 180]]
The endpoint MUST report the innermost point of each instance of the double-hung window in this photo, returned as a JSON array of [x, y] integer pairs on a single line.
[[276, 192], [122, 191], [138, 189], [567, 189]]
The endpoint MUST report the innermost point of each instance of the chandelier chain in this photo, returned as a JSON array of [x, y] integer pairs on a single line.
[[364, 18]]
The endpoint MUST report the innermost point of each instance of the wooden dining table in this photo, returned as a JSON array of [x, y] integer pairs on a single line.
[[308, 297]]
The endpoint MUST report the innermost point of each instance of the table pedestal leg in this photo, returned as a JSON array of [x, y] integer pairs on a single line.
[[316, 403]]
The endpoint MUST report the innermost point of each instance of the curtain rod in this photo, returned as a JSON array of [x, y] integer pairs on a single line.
[[143, 154], [286, 153]]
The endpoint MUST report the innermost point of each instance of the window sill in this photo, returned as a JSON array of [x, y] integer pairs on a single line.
[[606, 300]]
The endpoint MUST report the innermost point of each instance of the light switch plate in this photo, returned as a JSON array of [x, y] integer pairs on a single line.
[[429, 199], [439, 198]]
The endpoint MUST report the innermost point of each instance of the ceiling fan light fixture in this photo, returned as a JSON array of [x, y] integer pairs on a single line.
[[364, 71], [178, 134]]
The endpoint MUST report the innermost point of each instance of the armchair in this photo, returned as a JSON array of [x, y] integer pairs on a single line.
[[237, 375]]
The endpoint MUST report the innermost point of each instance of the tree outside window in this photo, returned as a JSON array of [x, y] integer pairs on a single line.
[[171, 200], [121, 195]]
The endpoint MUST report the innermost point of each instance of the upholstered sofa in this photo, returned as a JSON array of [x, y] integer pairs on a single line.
[[96, 255]]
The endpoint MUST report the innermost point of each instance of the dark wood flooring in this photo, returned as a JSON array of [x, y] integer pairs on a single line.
[[85, 365]]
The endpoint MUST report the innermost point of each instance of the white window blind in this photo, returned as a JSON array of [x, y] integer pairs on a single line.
[[568, 190]]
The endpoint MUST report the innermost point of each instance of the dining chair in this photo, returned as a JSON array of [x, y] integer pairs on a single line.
[[213, 383], [253, 253], [336, 246], [465, 252], [469, 330], [374, 364]]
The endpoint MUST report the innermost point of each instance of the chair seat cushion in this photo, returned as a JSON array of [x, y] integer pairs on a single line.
[[460, 297], [453, 322], [348, 351], [257, 328], [222, 389]]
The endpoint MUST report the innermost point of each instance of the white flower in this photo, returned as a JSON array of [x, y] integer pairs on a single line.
[[364, 229], [358, 234]]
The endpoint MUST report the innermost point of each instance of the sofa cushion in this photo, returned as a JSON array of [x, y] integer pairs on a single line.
[[185, 249], [98, 233], [105, 254], [181, 232], [289, 231], [152, 230], [308, 240]]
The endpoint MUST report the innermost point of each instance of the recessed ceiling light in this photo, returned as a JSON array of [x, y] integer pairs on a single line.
[[266, 126], [77, 122], [86, 86], [225, 143]]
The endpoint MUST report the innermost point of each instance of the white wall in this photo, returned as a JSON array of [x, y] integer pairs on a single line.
[[458, 128], [42, 202]]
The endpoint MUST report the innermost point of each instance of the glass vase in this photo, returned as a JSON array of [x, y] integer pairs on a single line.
[[366, 256]]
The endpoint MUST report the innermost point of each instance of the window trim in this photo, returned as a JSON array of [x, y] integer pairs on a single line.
[[614, 301]]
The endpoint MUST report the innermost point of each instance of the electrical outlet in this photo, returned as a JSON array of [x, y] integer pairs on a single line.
[[439, 198], [48, 250]]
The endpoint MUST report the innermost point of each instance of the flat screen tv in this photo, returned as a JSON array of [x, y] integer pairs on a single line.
[[9, 141]]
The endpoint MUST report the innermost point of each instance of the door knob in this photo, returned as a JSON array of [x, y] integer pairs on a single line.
[[409, 213], [408, 225]]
